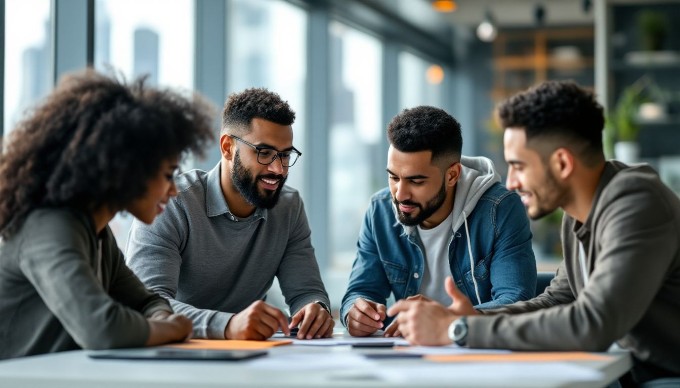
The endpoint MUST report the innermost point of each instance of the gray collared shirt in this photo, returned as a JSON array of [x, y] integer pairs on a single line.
[[211, 264]]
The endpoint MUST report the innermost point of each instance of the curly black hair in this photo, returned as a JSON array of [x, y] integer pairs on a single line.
[[241, 108], [560, 112], [96, 141], [426, 128]]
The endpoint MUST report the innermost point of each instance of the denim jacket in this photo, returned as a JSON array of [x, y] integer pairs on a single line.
[[390, 257]]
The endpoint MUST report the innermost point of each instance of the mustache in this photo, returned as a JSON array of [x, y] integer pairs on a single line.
[[272, 176], [407, 203]]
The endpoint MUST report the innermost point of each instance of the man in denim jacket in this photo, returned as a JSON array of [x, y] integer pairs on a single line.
[[442, 215]]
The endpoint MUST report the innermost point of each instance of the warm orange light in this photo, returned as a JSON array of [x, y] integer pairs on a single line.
[[434, 74], [444, 5]]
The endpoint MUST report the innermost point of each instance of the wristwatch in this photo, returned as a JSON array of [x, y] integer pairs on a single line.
[[324, 305], [458, 331]]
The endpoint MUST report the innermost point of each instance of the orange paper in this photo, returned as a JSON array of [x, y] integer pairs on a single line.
[[229, 344], [519, 357]]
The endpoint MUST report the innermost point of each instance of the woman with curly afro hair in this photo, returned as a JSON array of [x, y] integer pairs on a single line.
[[94, 147]]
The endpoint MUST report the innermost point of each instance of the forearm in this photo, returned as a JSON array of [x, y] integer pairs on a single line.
[[207, 324]]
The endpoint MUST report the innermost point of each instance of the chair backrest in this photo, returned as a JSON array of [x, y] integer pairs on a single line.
[[543, 279]]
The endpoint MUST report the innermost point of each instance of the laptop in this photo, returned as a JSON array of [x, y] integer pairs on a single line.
[[176, 354]]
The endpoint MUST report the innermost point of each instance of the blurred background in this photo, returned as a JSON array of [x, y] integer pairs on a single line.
[[348, 66]]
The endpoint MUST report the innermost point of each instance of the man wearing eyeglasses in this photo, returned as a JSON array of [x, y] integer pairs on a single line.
[[217, 247]]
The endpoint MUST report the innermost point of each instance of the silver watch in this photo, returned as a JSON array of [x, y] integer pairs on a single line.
[[458, 331]]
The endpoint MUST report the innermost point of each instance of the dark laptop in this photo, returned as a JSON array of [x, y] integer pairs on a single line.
[[176, 354]]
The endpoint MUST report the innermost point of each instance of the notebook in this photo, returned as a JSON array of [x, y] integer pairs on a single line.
[[176, 354]]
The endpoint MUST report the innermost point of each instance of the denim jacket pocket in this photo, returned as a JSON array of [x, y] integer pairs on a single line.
[[396, 274], [481, 271]]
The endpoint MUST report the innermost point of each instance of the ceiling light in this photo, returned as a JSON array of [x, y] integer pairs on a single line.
[[434, 74], [487, 29], [444, 5]]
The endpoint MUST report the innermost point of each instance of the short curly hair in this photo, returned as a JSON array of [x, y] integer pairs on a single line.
[[96, 141], [426, 128], [241, 108], [562, 114]]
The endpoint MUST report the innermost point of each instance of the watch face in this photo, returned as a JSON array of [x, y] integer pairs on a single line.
[[458, 331]]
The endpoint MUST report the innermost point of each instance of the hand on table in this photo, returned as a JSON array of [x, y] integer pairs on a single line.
[[165, 327], [314, 322], [258, 321], [365, 317]]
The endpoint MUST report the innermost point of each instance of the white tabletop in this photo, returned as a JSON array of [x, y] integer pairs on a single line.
[[297, 366]]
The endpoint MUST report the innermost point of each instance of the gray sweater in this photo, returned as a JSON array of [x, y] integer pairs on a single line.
[[631, 240], [62, 287], [211, 264]]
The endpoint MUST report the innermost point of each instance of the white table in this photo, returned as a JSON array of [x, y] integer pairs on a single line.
[[297, 366]]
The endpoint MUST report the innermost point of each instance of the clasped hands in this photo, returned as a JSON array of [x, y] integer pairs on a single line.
[[260, 321], [420, 320]]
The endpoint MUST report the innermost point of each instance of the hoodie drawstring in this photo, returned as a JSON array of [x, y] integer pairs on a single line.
[[472, 260]]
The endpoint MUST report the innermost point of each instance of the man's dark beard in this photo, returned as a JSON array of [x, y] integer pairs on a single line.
[[430, 208], [247, 185]]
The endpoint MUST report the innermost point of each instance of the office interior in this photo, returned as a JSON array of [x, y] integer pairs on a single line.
[[348, 66]]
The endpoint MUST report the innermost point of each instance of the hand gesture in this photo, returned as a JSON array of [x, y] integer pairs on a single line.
[[425, 322], [393, 329]]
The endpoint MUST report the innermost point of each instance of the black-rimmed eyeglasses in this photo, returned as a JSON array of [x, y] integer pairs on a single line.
[[267, 155]]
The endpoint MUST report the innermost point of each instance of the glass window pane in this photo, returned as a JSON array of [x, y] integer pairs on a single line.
[[267, 49], [154, 37], [27, 57], [355, 139], [420, 82]]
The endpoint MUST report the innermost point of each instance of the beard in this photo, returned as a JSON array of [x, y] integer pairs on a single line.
[[425, 211], [548, 199], [246, 184]]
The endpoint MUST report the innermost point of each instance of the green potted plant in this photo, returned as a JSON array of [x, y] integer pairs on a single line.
[[623, 128], [653, 29]]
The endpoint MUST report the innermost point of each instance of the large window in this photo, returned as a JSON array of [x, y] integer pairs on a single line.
[[356, 135], [267, 48], [420, 82], [131, 37], [27, 57]]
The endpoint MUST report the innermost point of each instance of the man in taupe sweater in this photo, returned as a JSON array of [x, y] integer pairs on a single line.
[[620, 278]]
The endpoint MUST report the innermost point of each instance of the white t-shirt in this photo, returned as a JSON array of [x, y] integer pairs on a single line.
[[436, 242]]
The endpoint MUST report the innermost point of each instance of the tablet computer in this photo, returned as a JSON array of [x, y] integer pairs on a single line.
[[176, 354]]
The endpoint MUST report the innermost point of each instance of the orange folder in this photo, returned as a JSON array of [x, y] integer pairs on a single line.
[[519, 357], [229, 344]]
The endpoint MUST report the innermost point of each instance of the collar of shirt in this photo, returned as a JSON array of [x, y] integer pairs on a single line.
[[216, 205]]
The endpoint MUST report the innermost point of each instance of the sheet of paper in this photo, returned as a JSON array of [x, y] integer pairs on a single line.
[[344, 341], [518, 357], [449, 350], [229, 344], [549, 371]]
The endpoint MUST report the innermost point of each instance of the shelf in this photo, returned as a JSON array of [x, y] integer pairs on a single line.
[[522, 58], [531, 62]]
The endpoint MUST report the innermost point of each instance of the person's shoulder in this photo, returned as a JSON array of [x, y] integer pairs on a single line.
[[498, 193], [53, 218], [191, 180], [56, 223], [636, 179], [382, 195], [639, 187]]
